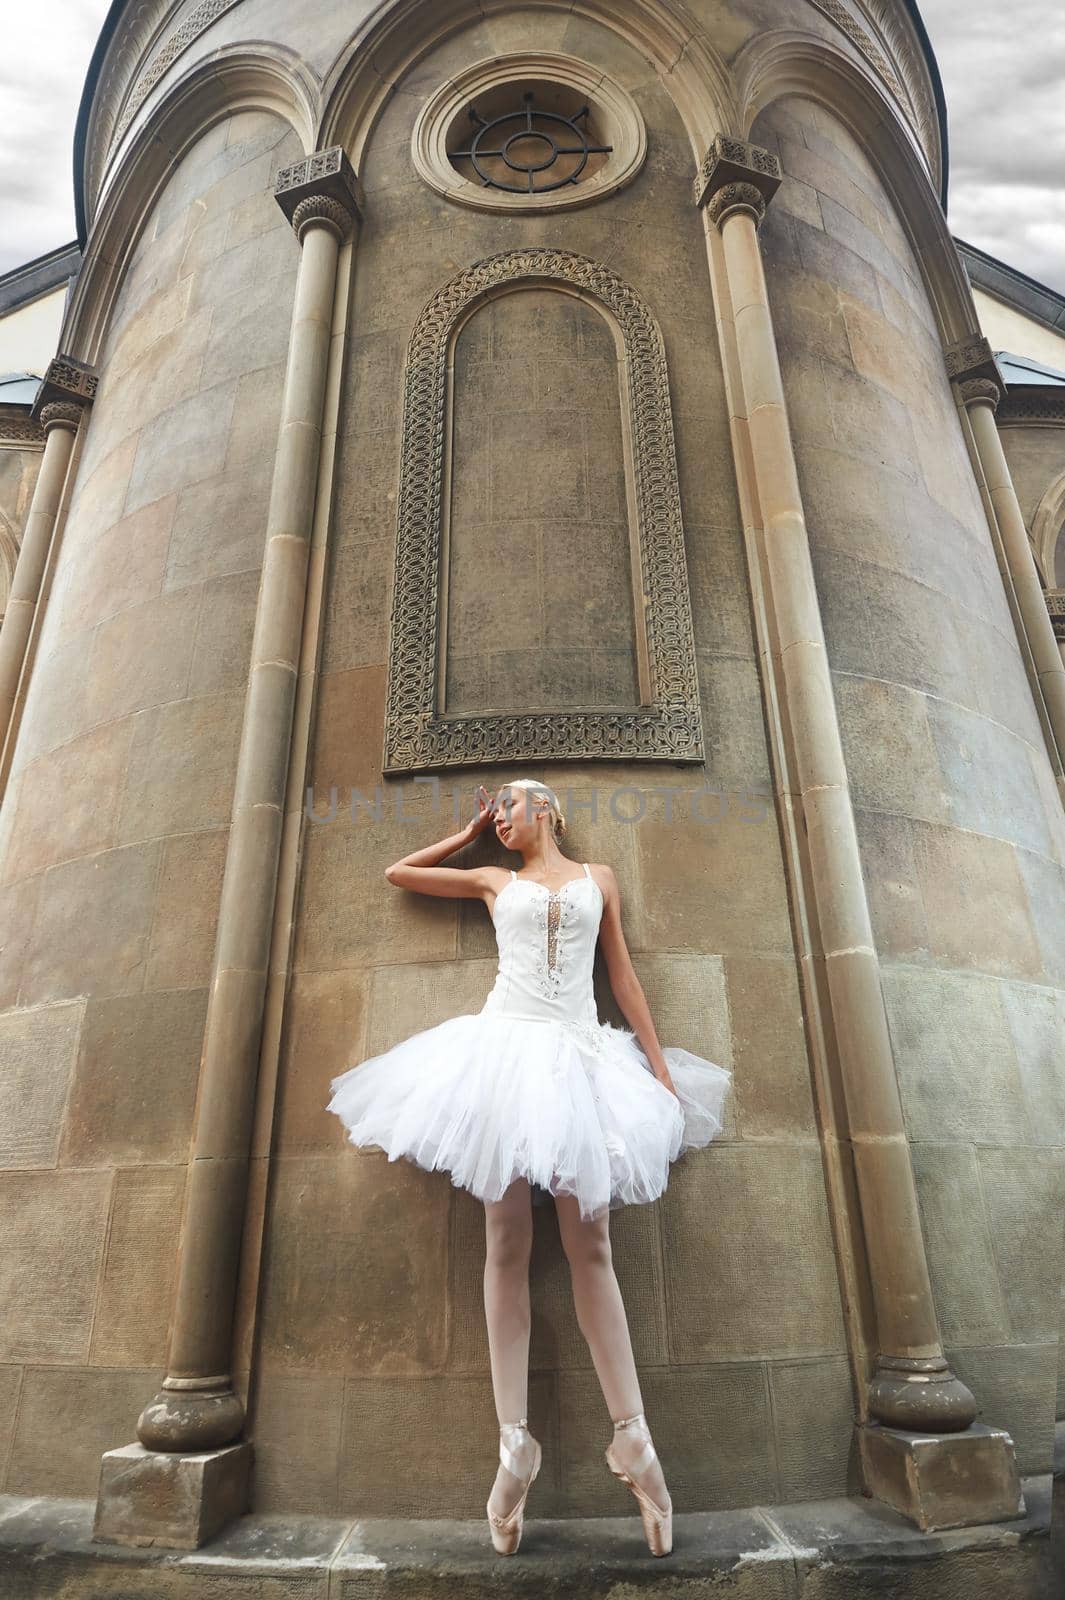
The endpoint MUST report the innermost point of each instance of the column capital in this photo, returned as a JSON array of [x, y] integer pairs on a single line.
[[61, 414], [323, 187], [980, 391], [67, 381], [736, 176], [972, 358], [1055, 599]]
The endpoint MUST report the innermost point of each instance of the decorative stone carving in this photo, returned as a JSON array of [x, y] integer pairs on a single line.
[[736, 197], [1056, 606], [62, 414], [65, 379], [322, 187], [742, 166], [972, 358], [670, 727], [179, 41], [18, 428], [976, 391], [615, 111], [1033, 405]]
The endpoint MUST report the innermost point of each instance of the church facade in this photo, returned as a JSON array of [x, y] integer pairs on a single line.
[[452, 392]]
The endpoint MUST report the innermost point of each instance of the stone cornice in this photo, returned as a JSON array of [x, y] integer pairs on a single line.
[[17, 427], [972, 358]]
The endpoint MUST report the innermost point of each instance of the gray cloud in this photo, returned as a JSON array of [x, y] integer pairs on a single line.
[[1003, 68], [47, 45]]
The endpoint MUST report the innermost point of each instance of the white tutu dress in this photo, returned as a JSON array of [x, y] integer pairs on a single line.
[[534, 1085]]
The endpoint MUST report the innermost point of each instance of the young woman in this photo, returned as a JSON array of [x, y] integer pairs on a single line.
[[533, 1097]]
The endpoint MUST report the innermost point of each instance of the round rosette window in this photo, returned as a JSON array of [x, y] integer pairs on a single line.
[[529, 132]]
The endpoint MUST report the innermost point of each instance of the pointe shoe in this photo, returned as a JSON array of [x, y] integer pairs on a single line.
[[657, 1524], [506, 1530]]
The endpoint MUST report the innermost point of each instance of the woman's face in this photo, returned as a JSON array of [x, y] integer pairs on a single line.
[[516, 822]]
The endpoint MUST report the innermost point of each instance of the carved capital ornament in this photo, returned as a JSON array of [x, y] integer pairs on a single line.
[[66, 381], [322, 188], [736, 176], [980, 391]]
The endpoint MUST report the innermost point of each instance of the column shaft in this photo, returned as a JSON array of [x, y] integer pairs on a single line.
[[912, 1385], [61, 424], [1031, 598], [197, 1408]]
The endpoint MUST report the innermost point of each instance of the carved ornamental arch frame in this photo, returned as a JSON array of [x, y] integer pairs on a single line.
[[668, 726]]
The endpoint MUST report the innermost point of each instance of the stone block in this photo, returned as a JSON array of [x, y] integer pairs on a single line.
[[52, 1229], [734, 726], [187, 898], [137, 1276], [772, 1090], [976, 908], [99, 494], [153, 1497], [1024, 1196], [253, 431], [955, 1057], [38, 1049], [951, 1480], [224, 631], [141, 657], [813, 1409], [449, 1472], [134, 1087], [1015, 1386], [55, 700], [720, 590], [295, 1427], [18, 911], [892, 760], [325, 1033], [182, 767], [961, 1259], [183, 445], [93, 926], [408, 997], [69, 800], [711, 1428], [713, 885], [358, 599], [988, 780], [219, 526], [122, 567], [68, 1416], [765, 1284], [1035, 1017], [892, 886], [355, 1267]]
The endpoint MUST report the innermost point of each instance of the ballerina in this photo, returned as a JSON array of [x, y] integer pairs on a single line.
[[533, 1098]]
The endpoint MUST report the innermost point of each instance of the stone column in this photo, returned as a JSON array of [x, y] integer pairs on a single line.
[[973, 368], [922, 1437], [189, 1473], [66, 391]]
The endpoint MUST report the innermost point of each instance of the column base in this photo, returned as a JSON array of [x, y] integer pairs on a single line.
[[158, 1497], [943, 1480]]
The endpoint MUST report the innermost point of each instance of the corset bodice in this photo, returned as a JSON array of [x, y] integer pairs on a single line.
[[546, 940]]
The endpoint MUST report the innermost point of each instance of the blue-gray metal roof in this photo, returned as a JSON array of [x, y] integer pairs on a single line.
[[18, 388], [1023, 370]]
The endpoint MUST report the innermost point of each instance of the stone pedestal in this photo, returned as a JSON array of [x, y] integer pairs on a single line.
[[947, 1480], [150, 1497]]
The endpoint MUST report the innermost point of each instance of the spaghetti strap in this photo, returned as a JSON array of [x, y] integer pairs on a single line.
[[584, 864], [513, 874]]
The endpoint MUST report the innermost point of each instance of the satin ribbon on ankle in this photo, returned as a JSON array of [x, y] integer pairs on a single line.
[[507, 1456], [648, 1453]]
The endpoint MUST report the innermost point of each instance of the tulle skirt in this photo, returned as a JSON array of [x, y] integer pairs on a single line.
[[489, 1097]]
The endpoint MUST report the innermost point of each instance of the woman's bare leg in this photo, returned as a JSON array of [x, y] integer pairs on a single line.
[[508, 1245], [602, 1320]]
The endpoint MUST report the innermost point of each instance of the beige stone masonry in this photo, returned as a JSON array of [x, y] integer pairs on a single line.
[[67, 389], [975, 373], [198, 1409], [912, 1391]]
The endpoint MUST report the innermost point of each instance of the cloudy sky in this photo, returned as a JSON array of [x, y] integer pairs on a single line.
[[1003, 70]]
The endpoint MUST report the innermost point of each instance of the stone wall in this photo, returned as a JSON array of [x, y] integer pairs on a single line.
[[373, 1385], [116, 815], [1036, 455], [18, 474], [961, 829]]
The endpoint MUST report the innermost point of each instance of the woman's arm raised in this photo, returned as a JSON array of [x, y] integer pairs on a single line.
[[419, 870], [628, 991]]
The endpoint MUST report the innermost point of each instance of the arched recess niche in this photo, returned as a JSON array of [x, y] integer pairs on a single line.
[[666, 724]]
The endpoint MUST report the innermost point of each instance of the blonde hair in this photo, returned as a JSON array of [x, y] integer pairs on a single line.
[[540, 791]]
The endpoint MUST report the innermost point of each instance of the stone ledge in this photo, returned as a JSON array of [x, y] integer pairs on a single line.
[[838, 1548]]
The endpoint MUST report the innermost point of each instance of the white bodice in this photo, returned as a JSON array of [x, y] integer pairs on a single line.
[[546, 940]]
